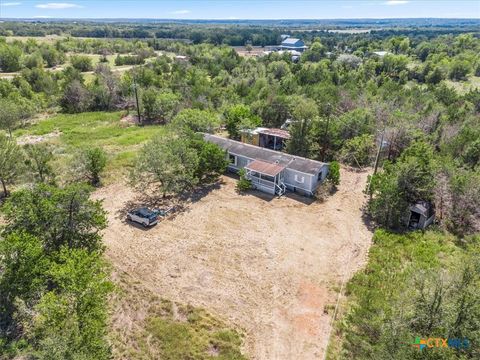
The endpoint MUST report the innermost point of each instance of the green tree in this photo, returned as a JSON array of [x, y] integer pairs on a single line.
[[82, 63], [159, 105], [38, 161], [305, 113], [76, 98], [197, 120], [359, 150], [410, 179], [10, 115], [299, 142], [212, 161], [58, 217], [11, 162], [94, 162], [243, 184], [71, 320], [167, 163], [459, 70], [240, 117], [334, 173], [10, 58]]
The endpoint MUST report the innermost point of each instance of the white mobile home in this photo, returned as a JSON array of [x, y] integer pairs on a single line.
[[272, 171]]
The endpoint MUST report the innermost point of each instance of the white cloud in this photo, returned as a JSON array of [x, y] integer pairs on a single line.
[[10, 4], [396, 2], [181, 12], [42, 17], [57, 6]]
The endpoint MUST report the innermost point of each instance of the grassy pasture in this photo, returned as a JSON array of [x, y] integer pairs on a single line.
[[97, 129]]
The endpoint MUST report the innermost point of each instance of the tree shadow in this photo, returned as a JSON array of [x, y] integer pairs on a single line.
[[173, 205], [367, 220]]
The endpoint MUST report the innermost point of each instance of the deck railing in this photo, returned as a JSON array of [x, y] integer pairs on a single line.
[[263, 182]]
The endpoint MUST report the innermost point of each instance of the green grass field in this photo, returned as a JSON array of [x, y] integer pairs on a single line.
[[120, 140], [463, 87]]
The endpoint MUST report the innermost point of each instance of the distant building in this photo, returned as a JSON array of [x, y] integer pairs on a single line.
[[271, 171], [274, 139], [381, 53], [181, 58], [293, 44]]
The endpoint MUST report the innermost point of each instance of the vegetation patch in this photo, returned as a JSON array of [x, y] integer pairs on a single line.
[[169, 330], [415, 285]]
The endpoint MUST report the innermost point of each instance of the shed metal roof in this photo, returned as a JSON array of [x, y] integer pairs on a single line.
[[253, 152], [265, 167], [290, 41], [275, 132]]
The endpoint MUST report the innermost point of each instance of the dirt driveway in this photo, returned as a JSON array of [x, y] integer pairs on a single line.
[[268, 266]]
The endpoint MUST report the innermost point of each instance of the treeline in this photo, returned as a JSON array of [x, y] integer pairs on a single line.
[[53, 278], [260, 33]]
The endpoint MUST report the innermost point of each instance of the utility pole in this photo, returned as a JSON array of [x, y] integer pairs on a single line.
[[377, 160], [136, 94], [324, 147]]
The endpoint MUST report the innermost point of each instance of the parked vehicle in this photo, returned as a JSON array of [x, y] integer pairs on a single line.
[[143, 216]]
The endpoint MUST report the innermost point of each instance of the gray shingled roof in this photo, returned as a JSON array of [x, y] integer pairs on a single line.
[[301, 164]]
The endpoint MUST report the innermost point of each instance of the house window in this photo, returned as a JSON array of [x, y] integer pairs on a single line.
[[232, 159], [299, 179], [320, 176]]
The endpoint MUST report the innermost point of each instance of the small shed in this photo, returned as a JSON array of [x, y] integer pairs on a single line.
[[421, 215]]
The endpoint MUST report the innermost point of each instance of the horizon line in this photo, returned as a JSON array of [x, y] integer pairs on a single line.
[[239, 19]]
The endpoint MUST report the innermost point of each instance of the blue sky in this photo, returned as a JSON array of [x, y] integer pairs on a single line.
[[240, 9]]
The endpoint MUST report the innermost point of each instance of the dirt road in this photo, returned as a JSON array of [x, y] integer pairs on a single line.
[[268, 266]]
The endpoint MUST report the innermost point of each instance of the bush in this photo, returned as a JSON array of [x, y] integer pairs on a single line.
[[94, 163], [82, 63], [129, 60], [243, 184], [359, 150], [334, 173]]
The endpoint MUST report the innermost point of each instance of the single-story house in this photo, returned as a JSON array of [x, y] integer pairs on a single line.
[[269, 138], [421, 215], [293, 44], [272, 171]]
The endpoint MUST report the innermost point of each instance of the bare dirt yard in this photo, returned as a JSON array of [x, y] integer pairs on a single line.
[[269, 266]]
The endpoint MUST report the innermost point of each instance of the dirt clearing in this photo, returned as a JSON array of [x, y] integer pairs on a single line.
[[268, 266]]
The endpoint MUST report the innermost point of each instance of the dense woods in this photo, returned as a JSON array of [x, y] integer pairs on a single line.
[[410, 113]]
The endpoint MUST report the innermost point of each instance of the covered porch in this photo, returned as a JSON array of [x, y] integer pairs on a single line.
[[266, 177], [274, 139]]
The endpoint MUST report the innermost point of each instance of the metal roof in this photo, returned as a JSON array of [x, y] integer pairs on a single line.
[[253, 152], [421, 207], [265, 168], [275, 132], [281, 133], [290, 41]]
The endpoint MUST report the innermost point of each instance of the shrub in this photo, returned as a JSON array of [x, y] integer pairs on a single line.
[[334, 173], [243, 184], [94, 163], [82, 63]]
